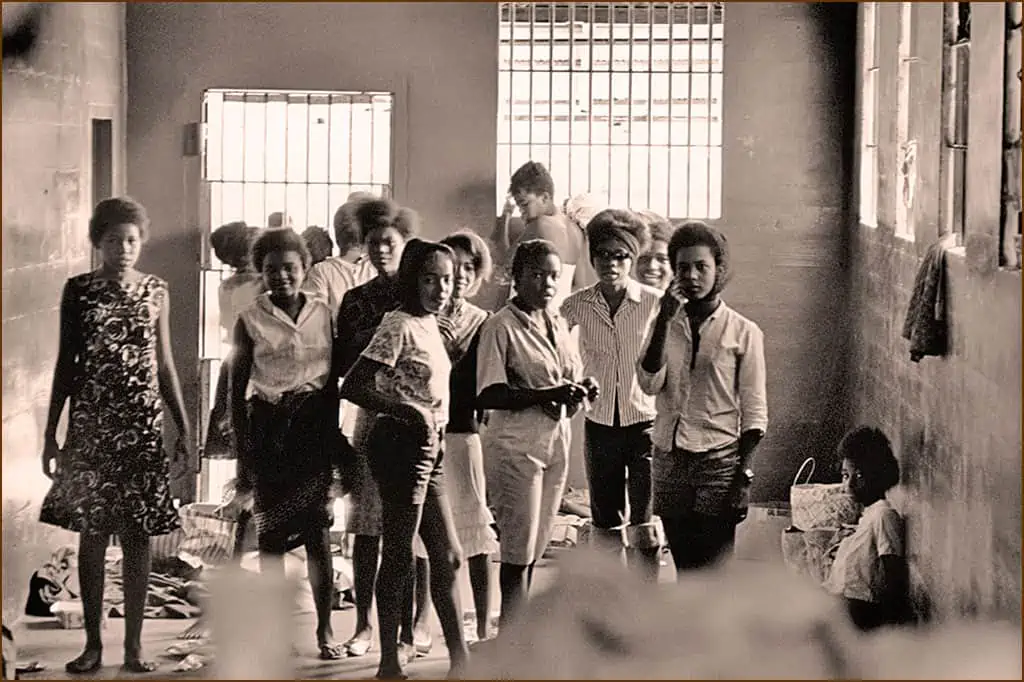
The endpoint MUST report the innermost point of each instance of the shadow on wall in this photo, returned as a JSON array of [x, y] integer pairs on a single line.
[[22, 23]]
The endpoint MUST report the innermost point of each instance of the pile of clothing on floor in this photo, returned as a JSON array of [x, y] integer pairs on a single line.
[[182, 564], [572, 525], [175, 588]]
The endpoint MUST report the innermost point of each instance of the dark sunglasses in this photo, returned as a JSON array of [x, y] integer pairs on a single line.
[[617, 256]]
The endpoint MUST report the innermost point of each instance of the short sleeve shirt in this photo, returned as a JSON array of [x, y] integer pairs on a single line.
[[416, 365]]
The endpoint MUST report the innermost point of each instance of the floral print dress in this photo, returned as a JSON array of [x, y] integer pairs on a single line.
[[114, 475]]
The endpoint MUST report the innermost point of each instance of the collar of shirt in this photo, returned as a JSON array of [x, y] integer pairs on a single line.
[[633, 293], [683, 319]]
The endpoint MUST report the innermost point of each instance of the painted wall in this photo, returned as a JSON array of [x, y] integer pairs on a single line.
[[75, 73], [956, 420], [787, 162]]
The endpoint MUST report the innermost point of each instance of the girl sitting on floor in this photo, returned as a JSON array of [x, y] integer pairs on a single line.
[[870, 571]]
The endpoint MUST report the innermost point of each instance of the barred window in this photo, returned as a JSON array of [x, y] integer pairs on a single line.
[[623, 101]]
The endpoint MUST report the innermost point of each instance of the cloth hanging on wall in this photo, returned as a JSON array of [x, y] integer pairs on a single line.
[[926, 324]]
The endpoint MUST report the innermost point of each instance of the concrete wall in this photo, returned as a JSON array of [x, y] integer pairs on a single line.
[[955, 420], [787, 112], [75, 74]]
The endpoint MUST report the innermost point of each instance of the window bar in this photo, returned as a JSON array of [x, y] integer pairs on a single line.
[[629, 99], [351, 137], [650, 97], [552, 16], [329, 120], [591, 17], [532, 43], [287, 175], [611, 101], [373, 140], [221, 176], [689, 107], [671, 19], [571, 15], [511, 85], [309, 132], [709, 17], [245, 175], [265, 109]]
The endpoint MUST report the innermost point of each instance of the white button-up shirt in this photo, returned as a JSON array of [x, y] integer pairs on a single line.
[[332, 278], [289, 355], [708, 405], [610, 347]]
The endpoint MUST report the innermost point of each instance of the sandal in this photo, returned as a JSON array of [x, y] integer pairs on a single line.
[[392, 675], [89, 661], [358, 647], [423, 646], [406, 653], [333, 652], [139, 666]]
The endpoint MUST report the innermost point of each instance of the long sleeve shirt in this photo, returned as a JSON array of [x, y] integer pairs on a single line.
[[705, 400]]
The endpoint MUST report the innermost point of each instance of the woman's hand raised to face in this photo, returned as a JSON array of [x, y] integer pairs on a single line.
[[670, 305]]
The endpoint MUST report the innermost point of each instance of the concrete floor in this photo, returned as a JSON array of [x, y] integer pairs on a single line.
[[44, 641]]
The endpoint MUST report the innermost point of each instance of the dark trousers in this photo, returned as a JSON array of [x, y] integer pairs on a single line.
[[692, 497], [617, 456]]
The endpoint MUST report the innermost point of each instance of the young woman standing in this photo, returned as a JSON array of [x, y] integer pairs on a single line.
[[402, 378], [460, 325], [286, 433], [529, 375], [115, 368]]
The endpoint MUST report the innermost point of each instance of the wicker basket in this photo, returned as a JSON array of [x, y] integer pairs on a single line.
[[820, 505]]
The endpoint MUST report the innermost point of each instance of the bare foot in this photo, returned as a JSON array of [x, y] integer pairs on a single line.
[[198, 630], [360, 643], [89, 661]]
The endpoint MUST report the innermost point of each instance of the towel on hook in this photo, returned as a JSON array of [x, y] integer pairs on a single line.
[[926, 323]]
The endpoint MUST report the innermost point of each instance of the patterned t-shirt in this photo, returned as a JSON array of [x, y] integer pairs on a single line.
[[416, 365]]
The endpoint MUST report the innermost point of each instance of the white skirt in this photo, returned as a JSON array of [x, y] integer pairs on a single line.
[[466, 489]]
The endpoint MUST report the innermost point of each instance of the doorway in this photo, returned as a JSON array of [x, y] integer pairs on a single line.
[[299, 154]]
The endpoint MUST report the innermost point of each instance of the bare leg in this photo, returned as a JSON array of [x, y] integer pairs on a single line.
[[437, 530], [421, 622], [400, 524], [135, 572], [365, 556], [91, 553], [513, 583], [480, 582], [321, 581]]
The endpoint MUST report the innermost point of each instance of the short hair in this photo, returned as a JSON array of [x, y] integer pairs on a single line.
[[232, 244], [116, 211], [661, 228], [347, 231], [319, 243], [531, 252], [615, 223], [278, 219], [870, 451], [476, 247], [697, 233], [279, 240], [532, 177], [380, 214], [414, 257]]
